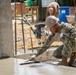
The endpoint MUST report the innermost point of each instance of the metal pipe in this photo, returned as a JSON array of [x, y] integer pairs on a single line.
[[22, 28], [31, 40], [15, 31], [26, 20]]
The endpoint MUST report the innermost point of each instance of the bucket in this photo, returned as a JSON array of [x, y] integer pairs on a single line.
[[63, 12], [28, 3]]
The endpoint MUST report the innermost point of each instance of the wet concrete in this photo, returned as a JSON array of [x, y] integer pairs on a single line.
[[11, 66]]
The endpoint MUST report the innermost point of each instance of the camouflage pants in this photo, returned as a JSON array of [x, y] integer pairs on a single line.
[[63, 51], [58, 52]]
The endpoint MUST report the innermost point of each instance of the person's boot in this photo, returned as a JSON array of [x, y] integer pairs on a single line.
[[64, 61], [72, 59]]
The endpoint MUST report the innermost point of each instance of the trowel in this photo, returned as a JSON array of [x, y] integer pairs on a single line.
[[30, 60]]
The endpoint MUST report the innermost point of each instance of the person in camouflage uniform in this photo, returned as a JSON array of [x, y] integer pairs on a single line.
[[68, 49]]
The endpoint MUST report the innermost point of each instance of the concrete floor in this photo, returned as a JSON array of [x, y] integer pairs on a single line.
[[11, 66]]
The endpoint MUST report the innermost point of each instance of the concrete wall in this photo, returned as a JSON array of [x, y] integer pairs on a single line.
[[6, 33]]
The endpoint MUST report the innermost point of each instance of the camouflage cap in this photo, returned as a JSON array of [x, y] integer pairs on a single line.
[[51, 21]]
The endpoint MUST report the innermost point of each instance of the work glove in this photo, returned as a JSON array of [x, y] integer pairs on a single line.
[[32, 58]]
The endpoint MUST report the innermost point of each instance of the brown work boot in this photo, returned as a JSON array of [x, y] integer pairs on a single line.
[[64, 61], [72, 59]]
